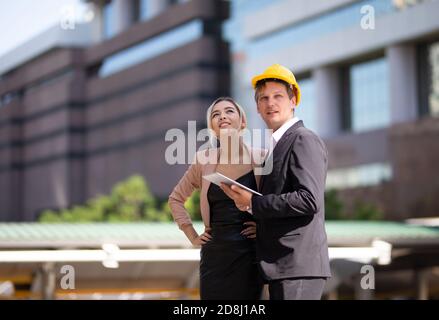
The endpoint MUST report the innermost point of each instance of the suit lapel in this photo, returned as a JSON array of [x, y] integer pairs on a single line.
[[278, 154], [264, 177]]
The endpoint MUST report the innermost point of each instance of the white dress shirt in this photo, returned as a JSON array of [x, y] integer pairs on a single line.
[[277, 135]]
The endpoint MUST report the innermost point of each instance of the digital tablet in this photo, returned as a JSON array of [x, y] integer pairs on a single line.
[[219, 178]]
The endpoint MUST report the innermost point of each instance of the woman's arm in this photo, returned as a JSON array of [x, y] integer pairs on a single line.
[[190, 181]]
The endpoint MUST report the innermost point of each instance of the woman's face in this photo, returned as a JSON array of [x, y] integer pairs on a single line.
[[225, 116]]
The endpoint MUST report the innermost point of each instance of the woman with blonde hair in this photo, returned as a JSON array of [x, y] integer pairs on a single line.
[[228, 268]]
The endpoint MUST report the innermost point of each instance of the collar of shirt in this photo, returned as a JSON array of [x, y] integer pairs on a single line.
[[277, 135]]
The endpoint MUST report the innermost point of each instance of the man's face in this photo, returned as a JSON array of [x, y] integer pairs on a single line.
[[274, 105]]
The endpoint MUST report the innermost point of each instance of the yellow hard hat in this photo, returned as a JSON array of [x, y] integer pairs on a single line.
[[277, 71]]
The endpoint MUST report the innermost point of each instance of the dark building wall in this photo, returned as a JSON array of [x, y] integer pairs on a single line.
[[413, 191], [38, 127], [68, 135], [415, 159], [354, 149], [381, 197]]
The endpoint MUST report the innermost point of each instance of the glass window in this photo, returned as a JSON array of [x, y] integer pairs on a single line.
[[7, 98], [143, 9], [234, 26], [136, 14], [306, 110], [433, 94], [108, 23], [310, 29], [369, 95], [428, 79], [359, 176], [152, 47], [147, 9]]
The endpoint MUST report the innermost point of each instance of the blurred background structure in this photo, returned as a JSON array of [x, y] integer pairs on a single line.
[[86, 107], [371, 93], [86, 104]]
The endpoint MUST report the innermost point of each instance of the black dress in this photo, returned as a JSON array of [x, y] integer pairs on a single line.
[[228, 268]]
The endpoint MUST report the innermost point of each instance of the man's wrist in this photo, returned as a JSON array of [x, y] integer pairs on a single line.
[[253, 204]]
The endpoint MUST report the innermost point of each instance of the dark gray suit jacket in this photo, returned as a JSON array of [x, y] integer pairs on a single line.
[[291, 238]]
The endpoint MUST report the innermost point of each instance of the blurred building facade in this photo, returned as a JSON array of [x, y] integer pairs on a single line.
[[84, 105], [369, 75]]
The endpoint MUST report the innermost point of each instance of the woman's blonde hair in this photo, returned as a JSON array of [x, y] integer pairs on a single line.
[[242, 116]]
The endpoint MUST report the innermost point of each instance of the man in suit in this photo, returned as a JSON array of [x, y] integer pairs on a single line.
[[291, 238]]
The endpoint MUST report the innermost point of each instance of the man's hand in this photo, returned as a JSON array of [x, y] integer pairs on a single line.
[[242, 198], [250, 230]]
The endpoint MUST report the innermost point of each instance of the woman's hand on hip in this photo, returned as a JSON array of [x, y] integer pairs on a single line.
[[202, 238]]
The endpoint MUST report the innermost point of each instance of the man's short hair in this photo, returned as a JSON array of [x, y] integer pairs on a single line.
[[291, 90]]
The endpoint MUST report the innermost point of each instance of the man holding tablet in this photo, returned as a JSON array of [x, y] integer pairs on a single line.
[[291, 239]]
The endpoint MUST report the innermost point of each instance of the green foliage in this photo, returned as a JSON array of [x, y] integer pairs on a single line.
[[130, 200], [333, 206], [192, 205], [367, 211], [334, 209], [50, 216]]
